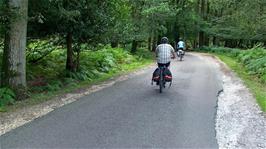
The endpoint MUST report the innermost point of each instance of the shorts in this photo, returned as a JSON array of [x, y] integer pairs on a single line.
[[166, 65]]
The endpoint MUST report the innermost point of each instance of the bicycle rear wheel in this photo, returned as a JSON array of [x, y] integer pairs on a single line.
[[161, 84]]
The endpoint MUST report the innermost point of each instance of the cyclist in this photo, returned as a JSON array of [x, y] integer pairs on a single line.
[[164, 53], [181, 47]]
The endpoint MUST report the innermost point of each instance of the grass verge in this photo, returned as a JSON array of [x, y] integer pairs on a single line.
[[42, 97], [258, 89]]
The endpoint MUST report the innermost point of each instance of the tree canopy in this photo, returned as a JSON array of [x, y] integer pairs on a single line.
[[127, 23], [124, 21]]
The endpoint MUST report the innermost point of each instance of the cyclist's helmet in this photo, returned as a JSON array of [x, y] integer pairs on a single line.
[[164, 40]]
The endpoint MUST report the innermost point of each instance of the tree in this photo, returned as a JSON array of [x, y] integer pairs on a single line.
[[238, 23], [14, 61], [78, 22], [119, 22], [158, 14]]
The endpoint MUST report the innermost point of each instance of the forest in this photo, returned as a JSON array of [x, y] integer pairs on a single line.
[[50, 45]]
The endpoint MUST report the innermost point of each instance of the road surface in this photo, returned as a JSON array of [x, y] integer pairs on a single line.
[[133, 114]]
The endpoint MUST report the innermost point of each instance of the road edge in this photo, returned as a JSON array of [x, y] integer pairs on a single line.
[[20, 117], [240, 123]]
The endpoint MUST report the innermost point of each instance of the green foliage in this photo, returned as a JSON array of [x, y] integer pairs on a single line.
[[250, 65], [3, 17], [83, 19], [143, 53], [1, 47], [39, 48], [49, 67], [7, 96], [242, 19], [258, 88], [254, 60], [54, 85], [1, 44], [102, 61], [49, 74]]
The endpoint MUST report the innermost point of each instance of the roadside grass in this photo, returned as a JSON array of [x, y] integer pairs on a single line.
[[38, 98], [253, 83], [47, 78]]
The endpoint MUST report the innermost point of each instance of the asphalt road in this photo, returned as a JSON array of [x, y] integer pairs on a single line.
[[133, 114]]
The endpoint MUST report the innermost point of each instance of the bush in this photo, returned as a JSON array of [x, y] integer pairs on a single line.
[[144, 53], [93, 64], [254, 60], [38, 49], [7, 96], [46, 63], [1, 52]]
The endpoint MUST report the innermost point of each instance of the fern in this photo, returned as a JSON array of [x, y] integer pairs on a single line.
[[7, 96]]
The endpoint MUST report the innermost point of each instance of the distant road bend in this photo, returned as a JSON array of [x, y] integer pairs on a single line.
[[133, 113]]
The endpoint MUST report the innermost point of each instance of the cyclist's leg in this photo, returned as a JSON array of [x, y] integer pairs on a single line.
[[182, 50], [177, 52]]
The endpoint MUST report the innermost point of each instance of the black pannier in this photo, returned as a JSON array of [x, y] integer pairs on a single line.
[[167, 75], [156, 75]]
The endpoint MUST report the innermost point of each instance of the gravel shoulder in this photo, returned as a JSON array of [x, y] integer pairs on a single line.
[[239, 122]]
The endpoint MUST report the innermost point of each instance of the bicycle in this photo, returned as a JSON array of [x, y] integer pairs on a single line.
[[180, 54], [162, 79]]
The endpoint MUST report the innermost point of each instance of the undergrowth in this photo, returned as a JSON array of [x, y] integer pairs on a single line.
[[250, 65], [46, 72], [254, 60]]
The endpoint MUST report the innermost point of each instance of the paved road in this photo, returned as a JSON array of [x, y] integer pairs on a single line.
[[132, 113]]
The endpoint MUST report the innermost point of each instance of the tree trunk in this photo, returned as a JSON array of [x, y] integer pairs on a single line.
[[78, 60], [114, 44], [239, 44], [202, 13], [70, 65], [214, 41], [149, 44], [134, 46], [206, 40], [176, 32], [194, 44], [230, 43], [227, 43], [201, 39], [207, 37], [14, 59], [159, 39], [154, 43]]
